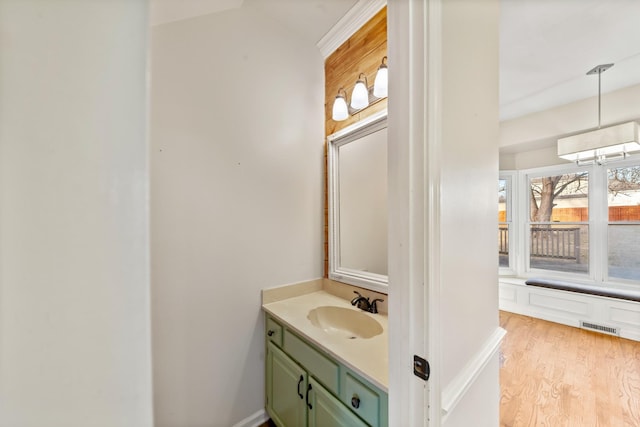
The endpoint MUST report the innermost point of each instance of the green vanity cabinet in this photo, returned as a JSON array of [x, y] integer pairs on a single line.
[[307, 388], [274, 332], [295, 399], [286, 388], [327, 411]]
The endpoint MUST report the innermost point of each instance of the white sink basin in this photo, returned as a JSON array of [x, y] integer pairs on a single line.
[[344, 322]]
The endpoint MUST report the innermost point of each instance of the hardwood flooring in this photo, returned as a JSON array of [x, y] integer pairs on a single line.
[[554, 375]]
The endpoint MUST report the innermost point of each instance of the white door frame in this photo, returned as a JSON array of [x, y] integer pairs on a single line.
[[414, 46]]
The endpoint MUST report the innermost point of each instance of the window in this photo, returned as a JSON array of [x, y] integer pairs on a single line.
[[505, 219], [558, 222], [571, 222], [623, 202]]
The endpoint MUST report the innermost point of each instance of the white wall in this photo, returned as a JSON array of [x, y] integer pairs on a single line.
[[469, 165], [545, 156], [74, 275], [480, 407], [236, 186]]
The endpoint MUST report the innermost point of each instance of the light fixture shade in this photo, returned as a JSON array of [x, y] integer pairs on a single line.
[[618, 140], [360, 96], [340, 110], [380, 84]]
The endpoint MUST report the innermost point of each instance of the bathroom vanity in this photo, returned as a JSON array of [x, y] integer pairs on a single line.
[[326, 362]]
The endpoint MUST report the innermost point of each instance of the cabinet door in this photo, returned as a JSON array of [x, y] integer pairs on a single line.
[[325, 410], [286, 386]]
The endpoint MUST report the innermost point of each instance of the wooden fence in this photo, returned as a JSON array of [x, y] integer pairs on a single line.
[[616, 213]]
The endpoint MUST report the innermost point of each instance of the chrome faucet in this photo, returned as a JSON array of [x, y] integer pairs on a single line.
[[364, 304]]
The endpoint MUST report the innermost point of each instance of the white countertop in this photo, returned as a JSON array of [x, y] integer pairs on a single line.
[[368, 357]]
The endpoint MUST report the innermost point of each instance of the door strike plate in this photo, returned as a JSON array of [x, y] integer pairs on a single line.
[[421, 368]]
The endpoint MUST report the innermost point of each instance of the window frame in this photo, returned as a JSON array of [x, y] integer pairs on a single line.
[[598, 224], [526, 221], [510, 202], [632, 284]]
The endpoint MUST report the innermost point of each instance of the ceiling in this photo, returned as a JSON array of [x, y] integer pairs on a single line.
[[310, 19], [546, 46]]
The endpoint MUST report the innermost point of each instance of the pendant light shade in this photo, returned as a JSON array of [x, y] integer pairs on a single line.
[[360, 94], [380, 89], [598, 146], [340, 109]]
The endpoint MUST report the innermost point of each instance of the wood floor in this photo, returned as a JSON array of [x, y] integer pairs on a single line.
[[553, 375]]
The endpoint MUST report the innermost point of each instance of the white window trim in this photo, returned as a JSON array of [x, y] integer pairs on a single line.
[[511, 177], [604, 220], [524, 224]]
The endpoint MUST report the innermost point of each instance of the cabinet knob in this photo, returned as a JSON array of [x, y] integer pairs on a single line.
[[271, 332], [355, 401]]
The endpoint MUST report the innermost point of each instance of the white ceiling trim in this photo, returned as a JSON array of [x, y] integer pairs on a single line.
[[353, 20]]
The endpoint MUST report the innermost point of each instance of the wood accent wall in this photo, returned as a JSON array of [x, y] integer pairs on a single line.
[[361, 53]]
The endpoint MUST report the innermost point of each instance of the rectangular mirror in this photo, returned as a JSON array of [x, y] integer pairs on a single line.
[[357, 173]]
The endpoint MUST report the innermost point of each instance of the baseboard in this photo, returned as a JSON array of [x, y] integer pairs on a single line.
[[456, 389], [569, 308], [254, 420]]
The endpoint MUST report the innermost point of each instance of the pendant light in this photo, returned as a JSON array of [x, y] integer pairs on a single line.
[[360, 94], [598, 146], [380, 89]]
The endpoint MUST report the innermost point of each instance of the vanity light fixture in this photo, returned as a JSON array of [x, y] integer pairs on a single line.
[[603, 144], [380, 84], [340, 109], [360, 94]]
